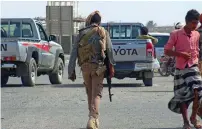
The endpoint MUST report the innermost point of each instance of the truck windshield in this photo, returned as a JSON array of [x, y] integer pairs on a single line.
[[15, 29], [123, 31]]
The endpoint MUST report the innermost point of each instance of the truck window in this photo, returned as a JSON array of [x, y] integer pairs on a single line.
[[114, 32], [125, 32], [16, 30], [42, 33], [162, 40], [4, 30], [136, 31], [27, 30]]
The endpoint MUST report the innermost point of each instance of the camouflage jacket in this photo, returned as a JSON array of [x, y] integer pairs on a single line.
[[154, 40], [74, 52]]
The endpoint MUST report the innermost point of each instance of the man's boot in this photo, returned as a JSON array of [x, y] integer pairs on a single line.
[[92, 123], [97, 123]]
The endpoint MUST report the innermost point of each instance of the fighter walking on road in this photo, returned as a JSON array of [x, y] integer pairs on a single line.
[[91, 47]]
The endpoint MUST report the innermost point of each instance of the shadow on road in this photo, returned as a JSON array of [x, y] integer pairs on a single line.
[[165, 128], [20, 85], [150, 91], [105, 85], [151, 128]]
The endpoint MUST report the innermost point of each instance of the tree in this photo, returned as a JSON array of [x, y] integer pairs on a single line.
[[151, 24]]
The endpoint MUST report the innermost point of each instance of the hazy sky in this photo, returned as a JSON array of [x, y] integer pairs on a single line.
[[163, 13]]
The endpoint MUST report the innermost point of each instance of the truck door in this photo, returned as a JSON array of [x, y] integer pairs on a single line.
[[46, 55]]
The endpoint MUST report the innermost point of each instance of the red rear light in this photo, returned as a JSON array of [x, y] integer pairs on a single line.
[[9, 58], [150, 49]]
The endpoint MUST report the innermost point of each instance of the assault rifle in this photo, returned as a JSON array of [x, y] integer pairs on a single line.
[[108, 76]]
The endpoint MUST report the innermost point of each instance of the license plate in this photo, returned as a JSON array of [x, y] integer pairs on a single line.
[[8, 66], [140, 66]]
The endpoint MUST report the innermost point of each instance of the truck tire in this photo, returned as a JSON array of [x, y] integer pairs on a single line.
[[30, 78], [57, 76], [148, 81], [4, 80]]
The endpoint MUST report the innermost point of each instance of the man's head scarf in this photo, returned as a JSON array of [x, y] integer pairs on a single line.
[[88, 19], [100, 30]]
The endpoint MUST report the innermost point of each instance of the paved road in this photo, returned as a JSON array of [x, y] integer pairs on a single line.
[[64, 106]]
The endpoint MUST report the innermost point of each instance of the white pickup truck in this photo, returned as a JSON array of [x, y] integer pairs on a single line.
[[27, 52], [134, 57]]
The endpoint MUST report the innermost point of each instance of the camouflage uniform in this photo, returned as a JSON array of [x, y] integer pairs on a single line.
[[154, 40], [92, 69]]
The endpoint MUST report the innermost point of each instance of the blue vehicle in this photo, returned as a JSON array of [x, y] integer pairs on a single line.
[[162, 40]]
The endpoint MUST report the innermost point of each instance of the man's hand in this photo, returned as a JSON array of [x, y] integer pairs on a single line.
[[185, 55], [73, 76]]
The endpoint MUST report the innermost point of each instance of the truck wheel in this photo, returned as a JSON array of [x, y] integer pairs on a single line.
[[30, 78], [57, 76], [4, 80], [148, 81]]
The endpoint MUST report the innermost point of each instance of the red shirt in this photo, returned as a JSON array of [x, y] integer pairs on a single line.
[[184, 43]]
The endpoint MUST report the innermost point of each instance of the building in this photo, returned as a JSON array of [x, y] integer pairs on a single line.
[[163, 29], [78, 24], [78, 21], [63, 21]]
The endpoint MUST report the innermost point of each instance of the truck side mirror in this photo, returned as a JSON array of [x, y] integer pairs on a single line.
[[52, 38]]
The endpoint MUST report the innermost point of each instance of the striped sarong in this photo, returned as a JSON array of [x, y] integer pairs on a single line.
[[185, 81]]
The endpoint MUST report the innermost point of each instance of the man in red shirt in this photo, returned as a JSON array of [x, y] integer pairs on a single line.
[[187, 79]]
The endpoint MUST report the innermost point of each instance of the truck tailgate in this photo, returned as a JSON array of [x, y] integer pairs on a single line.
[[129, 50], [9, 48]]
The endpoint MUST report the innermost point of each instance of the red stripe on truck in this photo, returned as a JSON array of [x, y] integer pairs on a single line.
[[45, 47]]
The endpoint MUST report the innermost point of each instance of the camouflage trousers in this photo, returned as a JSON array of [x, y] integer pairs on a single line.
[[94, 87]]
